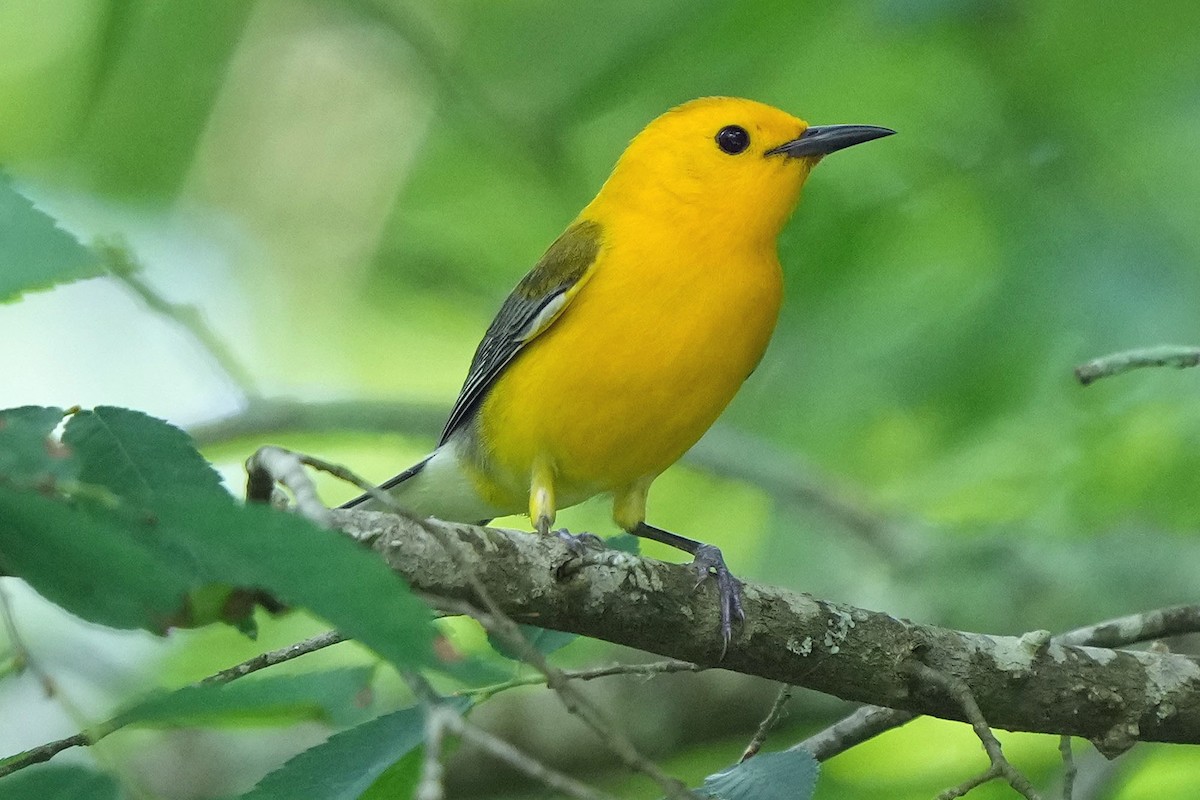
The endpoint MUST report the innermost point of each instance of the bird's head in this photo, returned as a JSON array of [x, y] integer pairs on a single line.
[[725, 161]]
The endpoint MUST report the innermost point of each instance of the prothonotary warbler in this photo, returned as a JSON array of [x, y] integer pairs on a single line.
[[633, 332]]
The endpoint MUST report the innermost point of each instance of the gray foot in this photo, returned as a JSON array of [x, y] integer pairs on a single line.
[[709, 563], [579, 543]]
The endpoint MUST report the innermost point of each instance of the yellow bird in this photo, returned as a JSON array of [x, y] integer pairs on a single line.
[[633, 332]]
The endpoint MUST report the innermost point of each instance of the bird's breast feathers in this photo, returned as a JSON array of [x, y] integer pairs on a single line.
[[637, 366]]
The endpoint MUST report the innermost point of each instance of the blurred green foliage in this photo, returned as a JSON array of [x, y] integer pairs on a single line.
[[376, 175]]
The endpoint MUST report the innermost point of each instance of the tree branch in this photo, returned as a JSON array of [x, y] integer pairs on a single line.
[[269, 465], [1165, 355], [870, 721], [1145, 626], [854, 729], [1029, 683]]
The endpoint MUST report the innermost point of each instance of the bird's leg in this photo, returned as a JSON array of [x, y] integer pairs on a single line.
[[541, 496], [542, 510], [629, 511], [707, 561], [577, 543]]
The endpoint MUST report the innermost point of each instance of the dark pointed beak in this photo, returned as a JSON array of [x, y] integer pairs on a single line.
[[821, 140]]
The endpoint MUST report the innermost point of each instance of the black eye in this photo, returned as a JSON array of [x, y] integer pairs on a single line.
[[733, 139]]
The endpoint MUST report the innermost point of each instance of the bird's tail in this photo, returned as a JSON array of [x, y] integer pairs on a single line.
[[364, 502]]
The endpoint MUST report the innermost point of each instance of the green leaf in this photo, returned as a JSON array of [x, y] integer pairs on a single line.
[[43, 419], [118, 568], [303, 565], [543, 640], [34, 252], [159, 73], [91, 560], [332, 696], [400, 779], [138, 456], [181, 552], [347, 763], [785, 775], [58, 783], [27, 454]]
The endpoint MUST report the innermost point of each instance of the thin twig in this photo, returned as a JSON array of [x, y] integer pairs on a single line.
[[1096, 775], [1069, 770], [1166, 355], [273, 657], [270, 465], [124, 267], [729, 453], [351, 477], [768, 723], [502, 750], [574, 701], [449, 719], [646, 670], [498, 623], [862, 724], [22, 659], [268, 416], [276, 464], [42, 753], [1000, 766], [45, 752], [439, 719], [975, 781], [437, 722]]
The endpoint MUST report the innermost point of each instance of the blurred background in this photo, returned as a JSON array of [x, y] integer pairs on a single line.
[[346, 190]]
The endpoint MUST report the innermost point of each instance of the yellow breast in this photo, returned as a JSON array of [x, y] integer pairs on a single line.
[[638, 366]]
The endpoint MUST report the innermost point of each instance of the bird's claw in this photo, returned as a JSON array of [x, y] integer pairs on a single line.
[[708, 562], [579, 543]]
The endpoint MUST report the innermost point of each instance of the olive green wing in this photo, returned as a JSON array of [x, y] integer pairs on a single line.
[[530, 309]]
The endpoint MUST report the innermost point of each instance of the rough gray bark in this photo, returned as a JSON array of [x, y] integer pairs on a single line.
[[1113, 697]]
